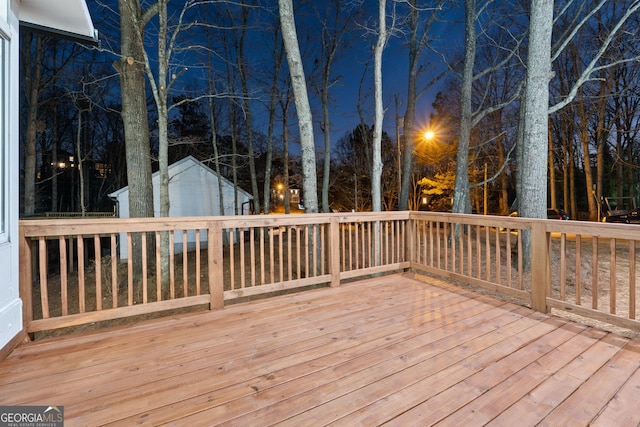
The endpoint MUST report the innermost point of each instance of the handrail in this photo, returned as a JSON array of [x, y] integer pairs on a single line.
[[583, 268], [74, 271], [79, 271]]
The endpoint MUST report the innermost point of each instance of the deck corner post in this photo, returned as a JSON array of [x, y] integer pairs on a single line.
[[539, 267], [334, 251], [411, 239], [215, 259]]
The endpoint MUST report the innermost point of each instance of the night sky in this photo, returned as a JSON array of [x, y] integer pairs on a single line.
[[349, 65]]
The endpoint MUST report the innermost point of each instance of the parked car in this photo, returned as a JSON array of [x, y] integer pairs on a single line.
[[557, 214], [630, 217]]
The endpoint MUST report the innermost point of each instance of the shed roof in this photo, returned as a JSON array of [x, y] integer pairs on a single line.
[[184, 164]]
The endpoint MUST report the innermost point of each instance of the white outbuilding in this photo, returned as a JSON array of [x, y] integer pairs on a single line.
[[194, 190]]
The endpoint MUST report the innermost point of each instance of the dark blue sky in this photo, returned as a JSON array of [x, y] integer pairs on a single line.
[[349, 64]]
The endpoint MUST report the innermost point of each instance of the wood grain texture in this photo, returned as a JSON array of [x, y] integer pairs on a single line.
[[391, 349]]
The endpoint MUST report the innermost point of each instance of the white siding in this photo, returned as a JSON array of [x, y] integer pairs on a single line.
[[193, 191], [10, 302]]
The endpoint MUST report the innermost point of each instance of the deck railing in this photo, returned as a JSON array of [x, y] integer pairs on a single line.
[[584, 268], [77, 271], [485, 251]]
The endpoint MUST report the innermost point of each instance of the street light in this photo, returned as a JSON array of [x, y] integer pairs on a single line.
[[279, 193], [427, 136]]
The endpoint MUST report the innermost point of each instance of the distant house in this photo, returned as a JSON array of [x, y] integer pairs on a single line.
[[277, 195], [193, 191], [64, 18]]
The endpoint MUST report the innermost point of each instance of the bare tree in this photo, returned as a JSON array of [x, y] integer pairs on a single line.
[[213, 116], [303, 109], [278, 57], [461, 199], [419, 30], [285, 103], [33, 68], [83, 107], [45, 64], [335, 20], [161, 83], [533, 199], [130, 68], [593, 42], [242, 69], [470, 114], [214, 141], [376, 169]]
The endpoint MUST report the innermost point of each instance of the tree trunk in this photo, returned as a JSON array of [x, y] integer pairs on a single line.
[[552, 169], [335, 17], [410, 112], [305, 121], [566, 204], [165, 204], [33, 70], [399, 124], [601, 137], [285, 153], [326, 129], [160, 93], [584, 141], [461, 197], [572, 181], [54, 160], [214, 145], [134, 113], [247, 110], [79, 154], [130, 68], [273, 103], [376, 169], [234, 154], [504, 182], [533, 199]]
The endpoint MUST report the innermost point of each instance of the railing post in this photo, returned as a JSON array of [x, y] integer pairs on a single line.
[[334, 251], [539, 267], [215, 257], [410, 240], [26, 278]]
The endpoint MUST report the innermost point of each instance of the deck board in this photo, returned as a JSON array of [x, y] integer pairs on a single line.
[[392, 350]]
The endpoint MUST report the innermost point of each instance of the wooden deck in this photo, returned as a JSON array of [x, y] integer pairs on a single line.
[[395, 351]]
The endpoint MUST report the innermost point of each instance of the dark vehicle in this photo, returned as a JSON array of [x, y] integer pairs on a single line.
[[631, 217], [557, 214]]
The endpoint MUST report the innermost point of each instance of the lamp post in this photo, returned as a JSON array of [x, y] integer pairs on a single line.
[[427, 135], [279, 193]]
